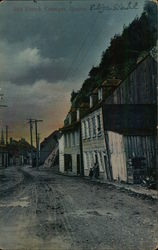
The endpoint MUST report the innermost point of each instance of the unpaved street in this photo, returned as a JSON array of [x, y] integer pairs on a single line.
[[49, 211]]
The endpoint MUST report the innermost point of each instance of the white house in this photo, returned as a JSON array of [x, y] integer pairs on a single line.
[[93, 139], [69, 145]]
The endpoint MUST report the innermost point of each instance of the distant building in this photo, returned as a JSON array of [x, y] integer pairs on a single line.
[[3, 151], [61, 154], [47, 148], [3, 156], [19, 152]]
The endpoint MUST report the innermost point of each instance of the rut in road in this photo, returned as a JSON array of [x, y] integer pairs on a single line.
[[51, 212]]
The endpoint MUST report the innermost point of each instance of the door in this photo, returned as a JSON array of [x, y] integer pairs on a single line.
[[78, 165]]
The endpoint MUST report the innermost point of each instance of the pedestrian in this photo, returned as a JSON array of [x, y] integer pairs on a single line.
[[91, 173], [96, 170]]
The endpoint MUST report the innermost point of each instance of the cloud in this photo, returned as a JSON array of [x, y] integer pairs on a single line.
[[44, 55], [54, 46], [42, 100], [26, 65]]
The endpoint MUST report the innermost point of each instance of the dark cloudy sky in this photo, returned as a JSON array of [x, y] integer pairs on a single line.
[[46, 50]]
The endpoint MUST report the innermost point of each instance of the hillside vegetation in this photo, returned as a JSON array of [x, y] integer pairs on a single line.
[[123, 53]]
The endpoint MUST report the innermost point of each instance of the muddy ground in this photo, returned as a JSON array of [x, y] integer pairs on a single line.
[[53, 212]]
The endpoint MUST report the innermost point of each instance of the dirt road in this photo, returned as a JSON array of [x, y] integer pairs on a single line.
[[53, 212]]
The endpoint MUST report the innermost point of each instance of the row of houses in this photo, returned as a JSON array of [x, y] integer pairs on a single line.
[[14, 153], [117, 132]]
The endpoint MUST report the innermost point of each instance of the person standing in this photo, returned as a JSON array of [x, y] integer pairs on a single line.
[[97, 170]]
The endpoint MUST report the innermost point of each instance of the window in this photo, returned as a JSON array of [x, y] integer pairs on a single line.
[[69, 139], [77, 135], [98, 124], [83, 130], [100, 94], [69, 118], [93, 126], [91, 101], [65, 140], [73, 139], [78, 114], [87, 129]]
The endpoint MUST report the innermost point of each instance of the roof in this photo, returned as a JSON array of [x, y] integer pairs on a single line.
[[111, 82], [51, 136], [70, 127]]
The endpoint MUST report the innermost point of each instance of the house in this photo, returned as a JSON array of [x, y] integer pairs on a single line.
[[61, 154], [3, 151], [19, 152], [47, 146], [130, 119], [69, 144], [72, 155], [70, 147], [92, 136], [3, 156]]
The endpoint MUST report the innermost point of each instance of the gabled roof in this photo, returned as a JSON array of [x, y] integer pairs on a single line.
[[53, 135], [70, 127]]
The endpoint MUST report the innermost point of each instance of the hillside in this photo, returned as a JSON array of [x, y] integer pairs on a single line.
[[123, 53]]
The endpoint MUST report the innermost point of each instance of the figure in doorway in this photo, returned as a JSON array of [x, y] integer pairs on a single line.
[[91, 173], [96, 170]]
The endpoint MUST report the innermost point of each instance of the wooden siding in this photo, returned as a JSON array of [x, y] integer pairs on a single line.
[[141, 146], [134, 129], [139, 87], [130, 117], [125, 148], [118, 158]]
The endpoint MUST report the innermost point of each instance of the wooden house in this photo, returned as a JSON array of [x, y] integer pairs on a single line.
[[130, 119]]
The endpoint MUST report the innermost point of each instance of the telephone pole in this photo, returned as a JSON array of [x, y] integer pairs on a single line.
[[4, 155], [6, 134], [30, 121], [7, 155], [37, 141]]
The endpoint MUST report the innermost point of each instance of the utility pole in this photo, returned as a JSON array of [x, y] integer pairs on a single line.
[[30, 121], [38, 147], [6, 134], [7, 156], [37, 141]]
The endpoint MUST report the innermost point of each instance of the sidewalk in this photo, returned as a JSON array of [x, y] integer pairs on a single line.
[[138, 190]]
